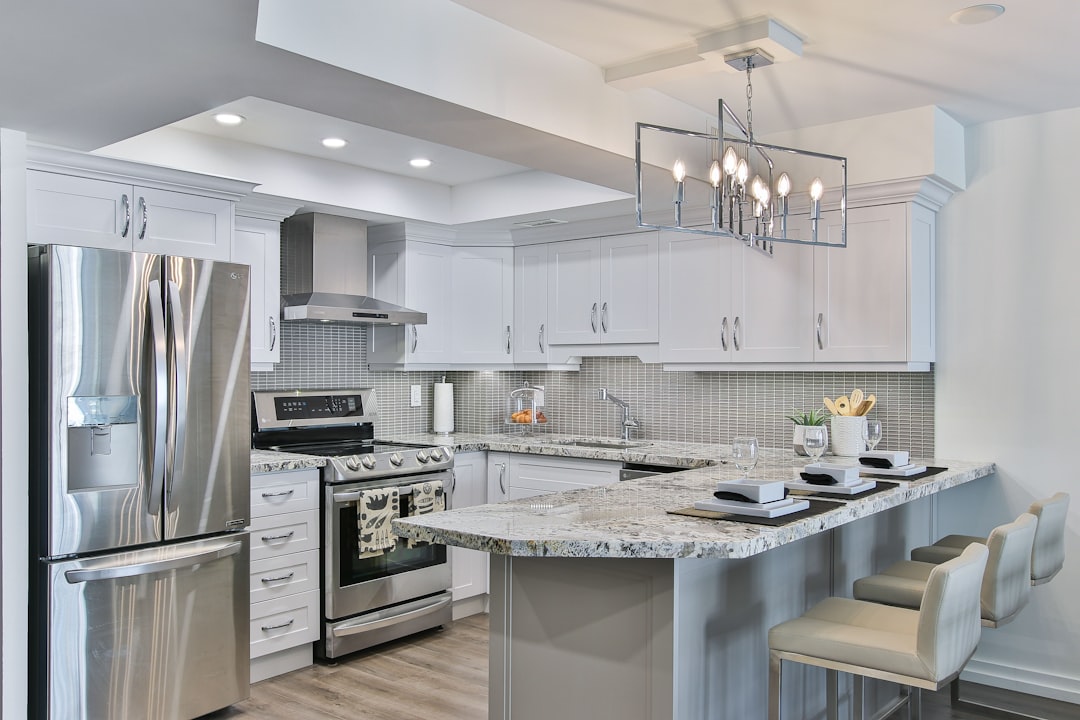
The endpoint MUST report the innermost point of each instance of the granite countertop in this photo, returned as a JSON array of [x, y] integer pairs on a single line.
[[629, 519], [265, 461]]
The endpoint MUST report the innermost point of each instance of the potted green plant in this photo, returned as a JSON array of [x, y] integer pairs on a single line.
[[801, 420]]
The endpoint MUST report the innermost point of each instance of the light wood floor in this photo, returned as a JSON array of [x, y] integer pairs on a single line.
[[442, 675]]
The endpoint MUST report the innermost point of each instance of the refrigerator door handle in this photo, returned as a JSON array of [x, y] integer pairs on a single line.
[[161, 379], [180, 350], [154, 566]]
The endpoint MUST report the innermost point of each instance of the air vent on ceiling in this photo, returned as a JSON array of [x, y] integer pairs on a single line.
[[539, 223]]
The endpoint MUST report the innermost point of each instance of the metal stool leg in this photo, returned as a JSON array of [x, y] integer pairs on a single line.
[[774, 686], [831, 694]]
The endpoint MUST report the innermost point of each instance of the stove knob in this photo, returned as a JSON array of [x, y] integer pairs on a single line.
[[422, 456], [368, 461], [436, 455], [353, 463], [448, 453], [396, 460]]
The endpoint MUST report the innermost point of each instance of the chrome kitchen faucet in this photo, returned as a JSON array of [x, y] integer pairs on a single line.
[[628, 423]]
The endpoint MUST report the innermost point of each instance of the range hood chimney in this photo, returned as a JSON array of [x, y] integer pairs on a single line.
[[327, 274]]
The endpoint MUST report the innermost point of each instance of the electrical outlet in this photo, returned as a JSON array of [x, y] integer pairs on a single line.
[[414, 396]]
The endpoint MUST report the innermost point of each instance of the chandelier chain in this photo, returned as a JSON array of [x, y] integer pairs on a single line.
[[749, 99]]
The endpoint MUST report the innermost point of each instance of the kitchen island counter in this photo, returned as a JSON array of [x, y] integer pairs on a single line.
[[266, 461]]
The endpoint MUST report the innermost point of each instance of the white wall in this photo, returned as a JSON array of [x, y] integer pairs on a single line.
[[1008, 388]]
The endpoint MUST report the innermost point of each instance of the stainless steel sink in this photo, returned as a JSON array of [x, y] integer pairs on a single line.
[[603, 444]]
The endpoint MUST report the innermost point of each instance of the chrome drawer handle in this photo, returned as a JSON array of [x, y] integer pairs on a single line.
[[820, 318], [277, 627], [271, 538], [127, 215], [603, 317], [592, 318], [507, 339], [278, 579], [273, 332], [415, 338], [145, 217], [540, 338], [735, 334], [723, 334], [279, 494]]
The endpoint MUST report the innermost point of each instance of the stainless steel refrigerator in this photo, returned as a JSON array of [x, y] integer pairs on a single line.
[[140, 484]]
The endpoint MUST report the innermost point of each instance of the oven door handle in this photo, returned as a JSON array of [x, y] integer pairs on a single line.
[[354, 495], [355, 628]]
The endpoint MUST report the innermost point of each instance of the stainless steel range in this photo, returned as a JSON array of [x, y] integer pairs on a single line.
[[376, 587]]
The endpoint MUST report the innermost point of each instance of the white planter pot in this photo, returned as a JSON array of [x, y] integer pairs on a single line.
[[847, 435], [800, 434]]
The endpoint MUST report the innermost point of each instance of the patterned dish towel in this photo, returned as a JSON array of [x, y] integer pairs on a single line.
[[374, 511], [427, 497]]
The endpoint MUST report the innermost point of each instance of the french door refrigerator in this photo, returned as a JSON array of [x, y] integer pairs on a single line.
[[140, 482]]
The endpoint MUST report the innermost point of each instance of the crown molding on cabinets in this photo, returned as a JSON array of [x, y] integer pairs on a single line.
[[266, 207]]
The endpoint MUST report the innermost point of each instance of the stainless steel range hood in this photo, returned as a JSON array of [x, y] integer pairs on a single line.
[[326, 274]]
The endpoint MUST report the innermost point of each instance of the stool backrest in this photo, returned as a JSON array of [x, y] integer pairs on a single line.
[[949, 619], [1048, 553], [1006, 584]]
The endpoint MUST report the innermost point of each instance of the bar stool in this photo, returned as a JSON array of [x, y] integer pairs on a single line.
[[924, 648]]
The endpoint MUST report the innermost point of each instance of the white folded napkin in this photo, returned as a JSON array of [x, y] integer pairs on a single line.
[[758, 491], [896, 458], [843, 474]]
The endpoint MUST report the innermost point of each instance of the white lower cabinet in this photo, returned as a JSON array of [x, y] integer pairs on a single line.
[[498, 473], [531, 475], [284, 578], [469, 568]]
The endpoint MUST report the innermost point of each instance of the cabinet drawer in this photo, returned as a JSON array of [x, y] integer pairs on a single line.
[[284, 492], [276, 577], [283, 623], [278, 535]]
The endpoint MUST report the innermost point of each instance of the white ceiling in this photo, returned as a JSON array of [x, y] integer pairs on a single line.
[[86, 75]]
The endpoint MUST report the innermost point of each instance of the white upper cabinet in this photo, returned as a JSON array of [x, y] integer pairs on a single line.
[[530, 303], [604, 290], [69, 210], [483, 309], [695, 298], [172, 223], [257, 242], [772, 304]]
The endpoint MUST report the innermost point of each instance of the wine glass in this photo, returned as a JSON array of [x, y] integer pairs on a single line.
[[744, 452], [814, 441], [871, 433]]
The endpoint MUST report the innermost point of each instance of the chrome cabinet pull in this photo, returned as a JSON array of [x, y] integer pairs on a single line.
[[502, 475], [127, 215], [277, 627], [592, 318], [820, 319], [271, 538], [273, 332], [507, 339], [415, 338], [735, 333], [145, 217], [540, 337], [723, 333], [453, 481], [279, 578], [603, 317], [279, 494]]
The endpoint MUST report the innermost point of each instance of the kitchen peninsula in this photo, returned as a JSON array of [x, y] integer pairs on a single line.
[[603, 604]]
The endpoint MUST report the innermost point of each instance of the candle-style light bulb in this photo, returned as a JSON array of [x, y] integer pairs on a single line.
[[755, 187], [817, 189], [783, 185], [679, 171], [731, 161], [715, 175], [783, 189], [742, 171]]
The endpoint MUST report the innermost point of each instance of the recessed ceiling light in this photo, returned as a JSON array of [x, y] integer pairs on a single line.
[[334, 142], [977, 14], [229, 118], [420, 162]]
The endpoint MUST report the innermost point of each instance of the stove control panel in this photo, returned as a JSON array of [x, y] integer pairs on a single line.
[[388, 464]]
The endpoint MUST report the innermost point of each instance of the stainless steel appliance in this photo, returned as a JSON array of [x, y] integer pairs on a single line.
[[371, 599], [140, 484]]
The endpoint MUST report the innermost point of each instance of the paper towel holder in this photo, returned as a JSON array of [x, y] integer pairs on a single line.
[[442, 415]]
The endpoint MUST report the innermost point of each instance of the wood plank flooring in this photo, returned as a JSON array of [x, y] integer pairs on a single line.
[[442, 675]]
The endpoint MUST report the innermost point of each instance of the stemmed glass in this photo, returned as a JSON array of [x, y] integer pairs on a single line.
[[814, 441], [744, 452], [871, 433]]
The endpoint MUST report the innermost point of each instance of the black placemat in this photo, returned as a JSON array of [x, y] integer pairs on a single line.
[[817, 507], [880, 487], [929, 472]]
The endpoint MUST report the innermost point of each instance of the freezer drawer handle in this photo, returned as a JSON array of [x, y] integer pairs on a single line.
[[283, 493], [361, 627], [278, 578], [271, 538], [155, 566], [277, 627]]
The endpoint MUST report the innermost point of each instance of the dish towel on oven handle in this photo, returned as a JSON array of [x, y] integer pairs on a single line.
[[427, 497], [374, 511]]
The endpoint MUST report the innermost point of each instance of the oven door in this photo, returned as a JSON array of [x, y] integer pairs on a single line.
[[356, 585]]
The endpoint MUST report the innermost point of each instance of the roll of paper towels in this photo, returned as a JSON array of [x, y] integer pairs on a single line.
[[443, 408]]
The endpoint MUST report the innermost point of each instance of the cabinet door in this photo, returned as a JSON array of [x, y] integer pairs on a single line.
[[469, 567], [483, 305], [772, 303], [498, 469], [860, 292], [574, 292], [530, 303], [69, 210], [428, 289], [257, 243], [629, 308], [175, 223], [695, 297]]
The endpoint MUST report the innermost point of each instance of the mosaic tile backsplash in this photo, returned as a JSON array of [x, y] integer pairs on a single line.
[[693, 406]]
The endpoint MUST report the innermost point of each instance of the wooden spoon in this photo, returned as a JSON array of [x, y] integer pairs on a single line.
[[843, 405], [867, 404], [830, 406], [856, 401]]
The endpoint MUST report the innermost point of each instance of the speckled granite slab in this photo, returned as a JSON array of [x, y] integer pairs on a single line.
[[629, 519], [264, 461]]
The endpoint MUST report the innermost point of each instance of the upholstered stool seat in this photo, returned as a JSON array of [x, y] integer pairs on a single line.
[[923, 648]]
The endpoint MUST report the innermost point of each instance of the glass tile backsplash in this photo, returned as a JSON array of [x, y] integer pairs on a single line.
[[702, 407]]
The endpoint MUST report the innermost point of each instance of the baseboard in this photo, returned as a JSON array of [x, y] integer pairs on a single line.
[[281, 662], [1007, 677], [474, 605]]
